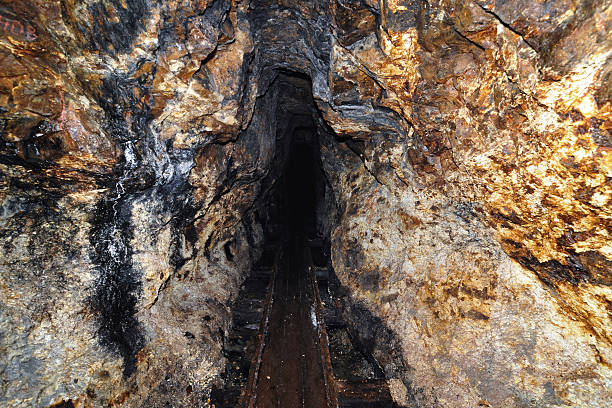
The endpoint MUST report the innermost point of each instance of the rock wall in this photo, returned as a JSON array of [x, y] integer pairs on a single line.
[[128, 192], [466, 147], [478, 232]]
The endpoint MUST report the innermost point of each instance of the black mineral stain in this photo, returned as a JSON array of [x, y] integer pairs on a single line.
[[578, 268], [116, 23], [115, 294], [149, 171], [114, 297], [37, 148], [177, 199]]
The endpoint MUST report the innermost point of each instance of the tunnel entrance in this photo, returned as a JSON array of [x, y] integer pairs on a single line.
[[289, 345]]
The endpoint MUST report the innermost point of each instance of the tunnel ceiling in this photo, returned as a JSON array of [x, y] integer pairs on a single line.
[[464, 191]]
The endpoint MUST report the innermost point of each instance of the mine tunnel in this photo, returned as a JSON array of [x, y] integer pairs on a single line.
[[300, 182], [318, 203], [289, 345]]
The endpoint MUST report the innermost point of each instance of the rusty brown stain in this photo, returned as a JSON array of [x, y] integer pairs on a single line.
[[409, 221], [476, 315]]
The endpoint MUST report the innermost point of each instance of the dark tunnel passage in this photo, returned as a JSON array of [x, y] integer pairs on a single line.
[[299, 188], [289, 345], [297, 179]]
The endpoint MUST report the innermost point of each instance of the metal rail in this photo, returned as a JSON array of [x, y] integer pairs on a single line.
[[330, 388], [248, 399]]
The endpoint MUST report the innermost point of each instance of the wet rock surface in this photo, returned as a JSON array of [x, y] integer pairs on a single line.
[[465, 191]]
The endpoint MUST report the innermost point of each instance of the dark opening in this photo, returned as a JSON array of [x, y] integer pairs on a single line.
[[228, 251], [299, 188], [299, 183]]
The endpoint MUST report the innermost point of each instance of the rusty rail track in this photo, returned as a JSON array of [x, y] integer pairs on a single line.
[[249, 397], [330, 387], [304, 366]]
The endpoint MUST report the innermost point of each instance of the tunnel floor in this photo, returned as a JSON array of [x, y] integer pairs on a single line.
[[289, 346], [293, 370]]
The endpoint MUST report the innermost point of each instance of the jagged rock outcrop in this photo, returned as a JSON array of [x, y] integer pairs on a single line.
[[466, 147]]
